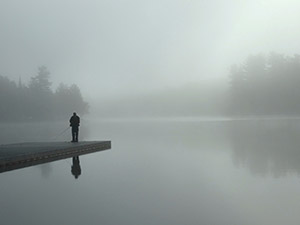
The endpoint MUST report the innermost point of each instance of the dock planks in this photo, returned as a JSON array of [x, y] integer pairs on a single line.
[[21, 155]]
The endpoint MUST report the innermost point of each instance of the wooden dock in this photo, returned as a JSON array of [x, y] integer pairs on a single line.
[[21, 155]]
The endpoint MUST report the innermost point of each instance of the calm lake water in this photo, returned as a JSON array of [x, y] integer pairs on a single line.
[[161, 172]]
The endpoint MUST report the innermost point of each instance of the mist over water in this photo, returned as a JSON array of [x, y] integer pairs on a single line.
[[171, 172], [200, 100]]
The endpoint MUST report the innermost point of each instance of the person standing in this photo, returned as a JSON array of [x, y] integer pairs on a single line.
[[74, 123]]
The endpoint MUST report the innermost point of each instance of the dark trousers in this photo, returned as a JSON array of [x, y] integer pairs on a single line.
[[75, 131]]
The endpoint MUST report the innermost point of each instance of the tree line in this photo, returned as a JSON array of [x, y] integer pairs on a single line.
[[37, 101], [266, 85]]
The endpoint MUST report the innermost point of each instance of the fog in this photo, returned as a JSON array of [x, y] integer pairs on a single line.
[[116, 48], [199, 98], [170, 172]]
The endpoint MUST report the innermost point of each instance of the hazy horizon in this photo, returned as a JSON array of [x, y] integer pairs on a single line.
[[116, 48], [199, 99]]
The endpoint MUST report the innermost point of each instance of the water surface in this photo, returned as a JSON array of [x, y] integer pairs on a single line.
[[161, 172]]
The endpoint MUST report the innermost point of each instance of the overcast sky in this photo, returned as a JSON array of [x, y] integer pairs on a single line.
[[120, 47]]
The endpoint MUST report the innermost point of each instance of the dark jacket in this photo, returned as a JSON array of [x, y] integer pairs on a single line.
[[74, 121]]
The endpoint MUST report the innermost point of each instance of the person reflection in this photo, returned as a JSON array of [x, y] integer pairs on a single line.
[[76, 170]]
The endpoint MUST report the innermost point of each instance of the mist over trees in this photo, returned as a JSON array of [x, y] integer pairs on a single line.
[[266, 85], [37, 101], [192, 100], [261, 86]]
